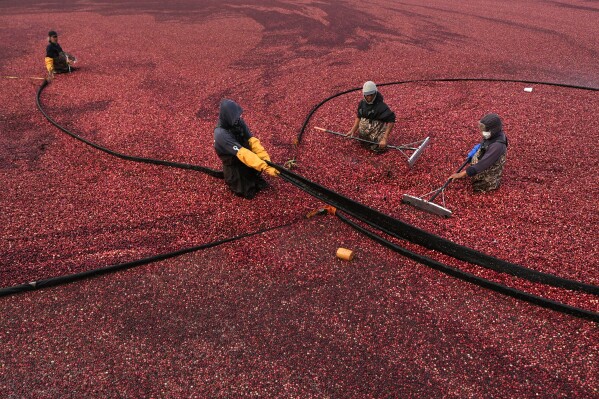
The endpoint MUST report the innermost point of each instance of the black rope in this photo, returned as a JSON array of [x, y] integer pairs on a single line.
[[471, 278], [398, 229], [69, 278], [211, 172]]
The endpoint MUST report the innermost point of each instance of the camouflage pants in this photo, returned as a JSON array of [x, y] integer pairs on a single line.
[[61, 64], [372, 130], [489, 179]]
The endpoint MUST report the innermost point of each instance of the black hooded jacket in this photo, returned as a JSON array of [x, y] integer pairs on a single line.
[[231, 132], [378, 110], [53, 50], [491, 149], [230, 135]]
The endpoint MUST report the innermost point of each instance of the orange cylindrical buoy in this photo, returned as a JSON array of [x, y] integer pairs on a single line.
[[345, 254]]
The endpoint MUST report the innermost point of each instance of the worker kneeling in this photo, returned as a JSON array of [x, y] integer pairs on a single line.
[[487, 163], [242, 154]]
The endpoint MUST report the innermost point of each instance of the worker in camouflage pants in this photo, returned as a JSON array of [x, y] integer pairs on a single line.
[[374, 119], [487, 163]]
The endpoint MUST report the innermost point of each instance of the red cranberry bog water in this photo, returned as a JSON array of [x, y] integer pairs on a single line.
[[247, 298]]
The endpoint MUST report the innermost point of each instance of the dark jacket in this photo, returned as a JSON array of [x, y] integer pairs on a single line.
[[491, 149], [378, 110], [230, 134], [53, 50]]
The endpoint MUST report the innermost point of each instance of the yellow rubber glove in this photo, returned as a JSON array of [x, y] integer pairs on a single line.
[[49, 64], [257, 149], [272, 171], [253, 161], [250, 159]]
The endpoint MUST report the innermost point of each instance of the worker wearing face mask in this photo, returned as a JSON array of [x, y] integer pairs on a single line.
[[374, 119], [487, 163]]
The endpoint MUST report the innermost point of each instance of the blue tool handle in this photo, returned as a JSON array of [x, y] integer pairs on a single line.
[[473, 151]]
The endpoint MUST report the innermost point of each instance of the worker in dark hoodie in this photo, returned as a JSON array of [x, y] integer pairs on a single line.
[[374, 120], [242, 154], [487, 163], [57, 61]]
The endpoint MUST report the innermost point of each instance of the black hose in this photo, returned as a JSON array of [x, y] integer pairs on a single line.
[[374, 218], [471, 278], [69, 278], [402, 230], [211, 172], [400, 82]]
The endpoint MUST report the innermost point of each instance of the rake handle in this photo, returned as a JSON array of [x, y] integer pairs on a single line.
[[355, 138], [466, 162]]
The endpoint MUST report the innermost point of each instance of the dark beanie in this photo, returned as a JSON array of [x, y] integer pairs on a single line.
[[52, 33], [492, 123]]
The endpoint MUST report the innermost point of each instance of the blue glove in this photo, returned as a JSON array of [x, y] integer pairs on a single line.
[[473, 151]]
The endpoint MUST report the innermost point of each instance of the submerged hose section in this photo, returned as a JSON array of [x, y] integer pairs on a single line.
[[471, 278], [53, 281], [398, 229], [203, 169]]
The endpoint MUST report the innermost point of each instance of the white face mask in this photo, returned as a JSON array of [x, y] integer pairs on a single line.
[[486, 135]]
